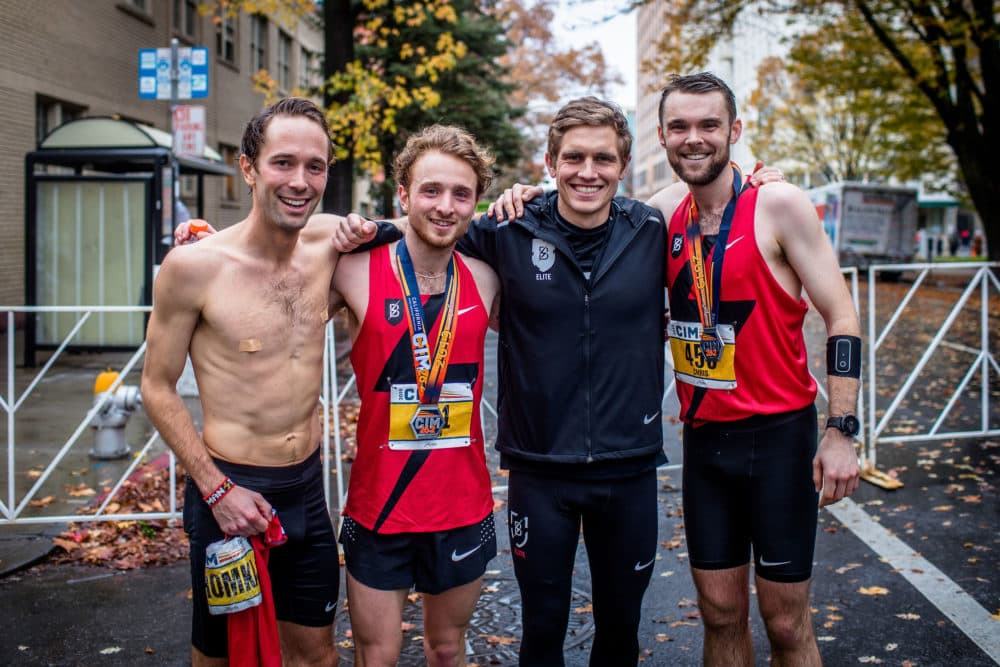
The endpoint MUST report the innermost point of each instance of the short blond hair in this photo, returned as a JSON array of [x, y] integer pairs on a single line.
[[449, 140]]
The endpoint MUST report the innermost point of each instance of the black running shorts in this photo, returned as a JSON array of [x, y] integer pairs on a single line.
[[748, 486], [305, 571], [431, 562]]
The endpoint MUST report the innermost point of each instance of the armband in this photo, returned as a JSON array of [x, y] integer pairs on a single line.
[[843, 356], [220, 492]]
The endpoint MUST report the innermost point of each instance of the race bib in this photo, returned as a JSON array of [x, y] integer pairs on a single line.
[[690, 363], [447, 423], [231, 581]]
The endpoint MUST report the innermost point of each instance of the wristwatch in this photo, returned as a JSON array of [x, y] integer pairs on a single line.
[[846, 424]]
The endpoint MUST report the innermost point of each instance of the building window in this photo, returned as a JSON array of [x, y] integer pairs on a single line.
[[140, 9], [258, 43], [186, 18], [225, 38], [50, 113], [230, 157], [284, 61], [309, 73], [659, 171]]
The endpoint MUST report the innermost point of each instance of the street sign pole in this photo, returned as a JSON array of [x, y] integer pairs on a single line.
[[175, 172]]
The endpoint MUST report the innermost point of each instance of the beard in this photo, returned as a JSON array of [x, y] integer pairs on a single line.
[[433, 240], [715, 166]]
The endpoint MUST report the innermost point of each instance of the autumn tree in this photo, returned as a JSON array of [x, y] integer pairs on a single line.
[[855, 118], [472, 91], [949, 50], [544, 73], [363, 94]]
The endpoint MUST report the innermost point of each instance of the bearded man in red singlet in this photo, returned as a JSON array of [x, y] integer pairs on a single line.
[[738, 262], [419, 509]]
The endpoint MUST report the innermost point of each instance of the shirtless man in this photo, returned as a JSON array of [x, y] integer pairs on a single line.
[[250, 304], [419, 508]]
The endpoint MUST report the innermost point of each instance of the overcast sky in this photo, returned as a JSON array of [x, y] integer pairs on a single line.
[[574, 23]]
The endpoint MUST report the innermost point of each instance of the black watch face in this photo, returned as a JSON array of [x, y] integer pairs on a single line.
[[850, 425]]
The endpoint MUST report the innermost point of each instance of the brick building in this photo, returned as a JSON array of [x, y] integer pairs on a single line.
[[64, 59]]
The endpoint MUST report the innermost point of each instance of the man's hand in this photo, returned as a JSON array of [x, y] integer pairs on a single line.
[[511, 202], [835, 468], [193, 230], [761, 175], [352, 231], [242, 512]]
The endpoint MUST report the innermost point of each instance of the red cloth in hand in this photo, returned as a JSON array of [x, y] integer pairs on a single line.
[[253, 632]]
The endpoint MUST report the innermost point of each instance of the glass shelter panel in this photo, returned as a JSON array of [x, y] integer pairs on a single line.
[[89, 252]]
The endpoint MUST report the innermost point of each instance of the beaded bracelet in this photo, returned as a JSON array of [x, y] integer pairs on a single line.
[[220, 492]]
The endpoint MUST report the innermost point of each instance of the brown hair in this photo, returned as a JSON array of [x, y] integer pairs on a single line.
[[253, 133], [449, 140], [698, 84], [593, 112]]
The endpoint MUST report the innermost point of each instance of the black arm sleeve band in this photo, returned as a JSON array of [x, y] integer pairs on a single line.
[[386, 233], [843, 356]]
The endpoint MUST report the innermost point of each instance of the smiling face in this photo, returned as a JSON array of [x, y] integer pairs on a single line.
[[587, 170], [696, 131], [289, 174], [441, 198]]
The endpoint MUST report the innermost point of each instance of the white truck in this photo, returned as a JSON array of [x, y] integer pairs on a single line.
[[868, 223]]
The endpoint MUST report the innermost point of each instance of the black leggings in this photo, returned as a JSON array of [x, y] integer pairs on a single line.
[[619, 518]]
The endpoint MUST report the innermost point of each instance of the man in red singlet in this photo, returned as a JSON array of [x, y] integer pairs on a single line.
[[738, 262], [419, 509]]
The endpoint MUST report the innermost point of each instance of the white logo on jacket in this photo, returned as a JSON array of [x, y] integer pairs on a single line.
[[543, 255]]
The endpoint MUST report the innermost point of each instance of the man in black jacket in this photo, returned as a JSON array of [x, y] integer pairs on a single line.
[[581, 384]]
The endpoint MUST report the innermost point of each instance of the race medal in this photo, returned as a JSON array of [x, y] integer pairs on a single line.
[[692, 365], [704, 356], [442, 425], [711, 344], [428, 422], [231, 580]]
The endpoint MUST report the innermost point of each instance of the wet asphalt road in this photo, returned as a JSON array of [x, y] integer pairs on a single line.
[[865, 607]]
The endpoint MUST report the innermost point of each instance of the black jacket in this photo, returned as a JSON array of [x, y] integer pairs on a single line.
[[580, 361]]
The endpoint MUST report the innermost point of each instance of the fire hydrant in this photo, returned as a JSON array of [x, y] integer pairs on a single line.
[[109, 423]]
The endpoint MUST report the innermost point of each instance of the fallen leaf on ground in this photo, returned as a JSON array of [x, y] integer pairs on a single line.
[[111, 650], [495, 639], [871, 660], [971, 499], [585, 609], [909, 616], [942, 508], [664, 638], [42, 502], [846, 568], [873, 590]]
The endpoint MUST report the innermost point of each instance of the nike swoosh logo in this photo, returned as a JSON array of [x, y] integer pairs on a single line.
[[642, 566], [465, 310], [330, 606], [648, 419], [734, 241], [767, 563], [455, 557]]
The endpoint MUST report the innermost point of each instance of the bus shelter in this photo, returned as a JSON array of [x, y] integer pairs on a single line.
[[99, 217]]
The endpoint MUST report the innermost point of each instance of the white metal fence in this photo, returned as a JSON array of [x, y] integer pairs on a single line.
[[877, 418]]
